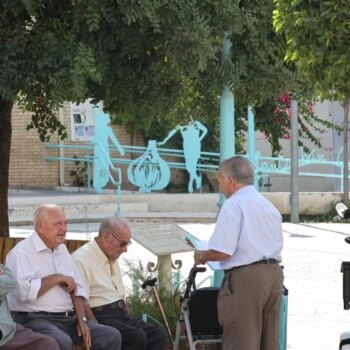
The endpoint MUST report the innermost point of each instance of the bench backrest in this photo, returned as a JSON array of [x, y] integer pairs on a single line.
[[7, 243]]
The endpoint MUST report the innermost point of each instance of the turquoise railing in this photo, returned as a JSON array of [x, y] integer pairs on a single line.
[[88, 159], [208, 162]]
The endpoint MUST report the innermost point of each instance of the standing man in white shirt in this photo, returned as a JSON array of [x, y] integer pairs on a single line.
[[47, 280], [247, 241], [98, 263]]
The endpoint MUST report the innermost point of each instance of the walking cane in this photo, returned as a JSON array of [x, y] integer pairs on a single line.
[[152, 282], [80, 320]]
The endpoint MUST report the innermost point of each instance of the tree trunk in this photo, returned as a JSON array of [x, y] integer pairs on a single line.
[[5, 147], [345, 151]]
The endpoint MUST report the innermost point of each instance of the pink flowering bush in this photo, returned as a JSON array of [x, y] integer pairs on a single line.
[[273, 118]]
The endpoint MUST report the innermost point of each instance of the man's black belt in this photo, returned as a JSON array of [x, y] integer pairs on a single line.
[[119, 304], [263, 261], [64, 313]]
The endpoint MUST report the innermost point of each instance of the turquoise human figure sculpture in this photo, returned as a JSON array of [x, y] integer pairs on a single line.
[[192, 135], [103, 133], [150, 171]]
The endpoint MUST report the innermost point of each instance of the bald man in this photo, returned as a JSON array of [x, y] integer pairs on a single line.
[[47, 280]]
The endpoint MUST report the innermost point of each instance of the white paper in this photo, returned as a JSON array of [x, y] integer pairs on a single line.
[[203, 245]]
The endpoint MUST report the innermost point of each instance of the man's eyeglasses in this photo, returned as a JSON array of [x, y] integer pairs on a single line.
[[122, 243]]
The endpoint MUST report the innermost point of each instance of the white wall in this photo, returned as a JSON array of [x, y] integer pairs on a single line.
[[330, 147]]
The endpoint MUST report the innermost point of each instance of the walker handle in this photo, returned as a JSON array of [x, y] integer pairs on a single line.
[[191, 278]]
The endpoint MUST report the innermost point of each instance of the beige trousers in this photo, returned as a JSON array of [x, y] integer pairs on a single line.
[[249, 305]]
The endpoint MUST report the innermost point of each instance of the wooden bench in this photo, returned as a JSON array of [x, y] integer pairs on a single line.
[[7, 243]]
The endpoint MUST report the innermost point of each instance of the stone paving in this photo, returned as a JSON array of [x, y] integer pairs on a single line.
[[312, 257]]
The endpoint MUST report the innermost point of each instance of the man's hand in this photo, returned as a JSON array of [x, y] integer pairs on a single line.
[[197, 257], [68, 284], [2, 271], [84, 332], [203, 256]]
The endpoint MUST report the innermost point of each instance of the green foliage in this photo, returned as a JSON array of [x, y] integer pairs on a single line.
[[184, 75], [144, 301], [44, 61], [171, 86], [79, 174], [317, 34], [327, 218], [44, 118], [153, 63]]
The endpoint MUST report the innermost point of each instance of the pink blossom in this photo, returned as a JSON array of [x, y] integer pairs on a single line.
[[284, 98], [311, 108], [277, 110]]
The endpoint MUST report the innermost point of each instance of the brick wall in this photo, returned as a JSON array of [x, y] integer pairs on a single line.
[[27, 165], [29, 169]]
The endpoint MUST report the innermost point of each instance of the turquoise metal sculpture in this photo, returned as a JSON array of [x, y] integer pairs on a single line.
[[103, 133], [192, 135], [150, 171], [265, 166]]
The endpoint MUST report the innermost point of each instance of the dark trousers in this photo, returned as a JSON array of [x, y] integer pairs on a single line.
[[26, 339], [136, 334], [249, 306], [64, 330]]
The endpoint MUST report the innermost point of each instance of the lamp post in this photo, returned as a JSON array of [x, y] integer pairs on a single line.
[[227, 125], [294, 199], [251, 144], [227, 130]]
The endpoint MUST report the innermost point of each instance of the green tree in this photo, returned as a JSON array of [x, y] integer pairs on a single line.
[[187, 82], [148, 60], [317, 34], [170, 91], [42, 64]]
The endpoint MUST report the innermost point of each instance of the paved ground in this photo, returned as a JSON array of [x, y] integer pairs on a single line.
[[312, 257]]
